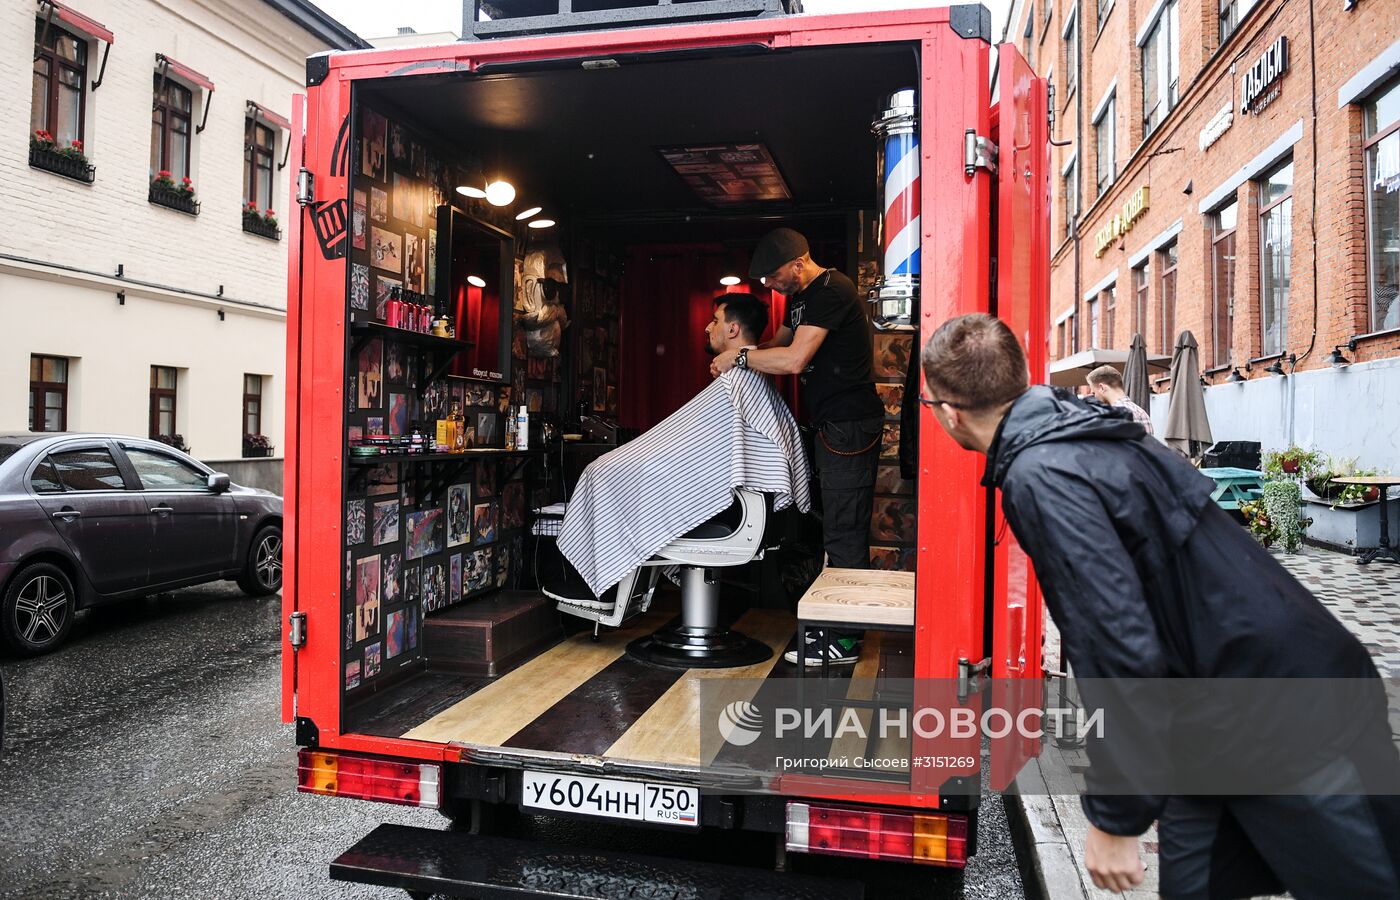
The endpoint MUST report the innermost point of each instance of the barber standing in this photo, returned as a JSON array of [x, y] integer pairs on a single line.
[[826, 341]]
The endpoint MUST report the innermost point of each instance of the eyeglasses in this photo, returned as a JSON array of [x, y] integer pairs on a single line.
[[934, 403]]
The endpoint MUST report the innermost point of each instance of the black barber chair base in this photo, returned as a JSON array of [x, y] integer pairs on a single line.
[[682, 647]]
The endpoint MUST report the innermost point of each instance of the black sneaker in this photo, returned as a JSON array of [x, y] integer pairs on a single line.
[[839, 651]]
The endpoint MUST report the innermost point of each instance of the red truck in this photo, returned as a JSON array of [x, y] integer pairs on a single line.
[[620, 136]]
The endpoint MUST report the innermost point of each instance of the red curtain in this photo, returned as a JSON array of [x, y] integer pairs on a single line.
[[667, 299]]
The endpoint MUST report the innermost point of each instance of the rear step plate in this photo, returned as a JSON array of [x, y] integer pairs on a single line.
[[454, 862]]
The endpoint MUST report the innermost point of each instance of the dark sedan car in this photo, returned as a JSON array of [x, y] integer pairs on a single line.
[[90, 518]]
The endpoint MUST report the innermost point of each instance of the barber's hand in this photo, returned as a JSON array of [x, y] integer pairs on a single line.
[[1112, 860], [722, 363]]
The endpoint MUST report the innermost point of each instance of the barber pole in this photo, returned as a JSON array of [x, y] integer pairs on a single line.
[[897, 127]]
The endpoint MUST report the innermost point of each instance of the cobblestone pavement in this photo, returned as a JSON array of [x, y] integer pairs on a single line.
[[1365, 598]]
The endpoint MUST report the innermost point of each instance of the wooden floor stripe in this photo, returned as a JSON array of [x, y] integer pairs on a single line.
[[492, 715], [669, 732]]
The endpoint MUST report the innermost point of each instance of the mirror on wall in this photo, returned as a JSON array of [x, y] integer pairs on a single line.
[[477, 273]]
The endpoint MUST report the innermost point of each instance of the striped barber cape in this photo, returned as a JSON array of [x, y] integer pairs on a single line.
[[632, 501]]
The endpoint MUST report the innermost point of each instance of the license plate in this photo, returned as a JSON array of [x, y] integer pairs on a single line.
[[635, 800]]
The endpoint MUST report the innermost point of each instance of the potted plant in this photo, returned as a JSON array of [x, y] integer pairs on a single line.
[[1292, 463], [174, 440], [45, 153], [256, 445], [261, 223], [181, 197], [1256, 517], [1322, 484]]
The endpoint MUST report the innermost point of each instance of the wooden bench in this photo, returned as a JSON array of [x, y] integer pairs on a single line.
[[854, 600]]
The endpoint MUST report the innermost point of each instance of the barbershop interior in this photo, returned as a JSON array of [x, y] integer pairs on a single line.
[[536, 253]]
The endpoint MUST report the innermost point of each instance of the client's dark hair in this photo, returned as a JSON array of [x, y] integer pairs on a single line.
[[746, 309]]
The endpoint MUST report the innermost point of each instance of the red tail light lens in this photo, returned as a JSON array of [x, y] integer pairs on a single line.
[[932, 838], [367, 778]]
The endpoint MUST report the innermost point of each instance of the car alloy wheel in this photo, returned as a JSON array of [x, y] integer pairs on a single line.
[[41, 607], [268, 562]]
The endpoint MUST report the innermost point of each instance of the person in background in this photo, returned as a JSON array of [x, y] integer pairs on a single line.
[[826, 341], [1107, 387], [1149, 582]]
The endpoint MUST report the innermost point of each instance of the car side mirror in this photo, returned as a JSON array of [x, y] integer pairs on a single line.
[[218, 482]]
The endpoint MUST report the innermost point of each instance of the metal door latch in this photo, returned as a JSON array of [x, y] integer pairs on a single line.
[[978, 153], [306, 187], [970, 675], [296, 633]]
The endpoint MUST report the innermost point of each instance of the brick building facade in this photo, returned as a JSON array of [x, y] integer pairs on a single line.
[[128, 307], [1228, 169]]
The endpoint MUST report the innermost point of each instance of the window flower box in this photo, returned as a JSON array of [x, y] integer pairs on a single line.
[[165, 192], [263, 224], [68, 162], [256, 446]]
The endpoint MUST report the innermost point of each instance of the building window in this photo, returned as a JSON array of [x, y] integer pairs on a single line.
[[1275, 247], [60, 85], [1140, 281], [1030, 37], [1222, 304], [1382, 117], [1071, 58], [1093, 311], [258, 144], [1070, 186], [1060, 341], [170, 129], [1104, 7], [1109, 298], [252, 404], [1105, 140], [163, 386], [1167, 262], [1072, 329], [48, 393], [1159, 68], [1231, 11]]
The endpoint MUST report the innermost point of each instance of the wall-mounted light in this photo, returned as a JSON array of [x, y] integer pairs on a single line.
[[730, 280], [221, 315], [500, 193], [542, 223], [1337, 360], [1236, 377], [529, 213], [476, 281], [121, 298], [475, 193], [1276, 368]]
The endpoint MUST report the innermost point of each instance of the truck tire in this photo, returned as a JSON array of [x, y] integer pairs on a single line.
[[37, 611], [262, 570]]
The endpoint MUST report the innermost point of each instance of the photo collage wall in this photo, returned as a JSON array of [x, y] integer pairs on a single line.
[[598, 269], [408, 556]]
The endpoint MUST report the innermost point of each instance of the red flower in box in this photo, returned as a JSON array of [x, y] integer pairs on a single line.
[[76, 145], [43, 137]]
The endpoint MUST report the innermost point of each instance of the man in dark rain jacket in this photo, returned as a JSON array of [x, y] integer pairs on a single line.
[[1149, 580]]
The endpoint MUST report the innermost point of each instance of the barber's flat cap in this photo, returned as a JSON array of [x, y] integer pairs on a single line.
[[777, 247]]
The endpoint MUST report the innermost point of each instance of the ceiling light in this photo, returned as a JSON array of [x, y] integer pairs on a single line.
[[475, 193], [542, 223], [532, 211], [500, 193], [729, 280], [476, 281]]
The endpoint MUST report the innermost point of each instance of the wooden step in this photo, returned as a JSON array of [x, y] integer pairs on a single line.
[[491, 635], [863, 597]]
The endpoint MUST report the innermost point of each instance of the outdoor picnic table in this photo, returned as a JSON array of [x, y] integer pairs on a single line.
[[1385, 483], [1234, 486]]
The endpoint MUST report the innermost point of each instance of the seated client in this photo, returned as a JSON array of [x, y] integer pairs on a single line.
[[737, 432]]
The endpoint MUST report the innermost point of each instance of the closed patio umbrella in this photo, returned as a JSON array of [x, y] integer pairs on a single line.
[[1188, 429], [1135, 374]]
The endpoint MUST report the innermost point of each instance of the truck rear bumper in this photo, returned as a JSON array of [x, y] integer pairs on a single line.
[[453, 862]]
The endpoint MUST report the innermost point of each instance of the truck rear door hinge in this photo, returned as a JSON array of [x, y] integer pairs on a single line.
[[306, 187], [978, 153], [970, 675], [296, 633]]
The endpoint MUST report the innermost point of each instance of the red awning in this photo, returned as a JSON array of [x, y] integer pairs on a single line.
[[184, 73], [272, 117], [78, 21]]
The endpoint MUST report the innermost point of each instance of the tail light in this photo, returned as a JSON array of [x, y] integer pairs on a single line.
[[367, 778], [931, 838]]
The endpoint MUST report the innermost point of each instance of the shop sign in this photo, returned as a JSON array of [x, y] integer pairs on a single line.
[[1259, 88], [1121, 222], [1218, 125]]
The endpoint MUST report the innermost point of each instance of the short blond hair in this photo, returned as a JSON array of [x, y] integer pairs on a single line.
[[1106, 376]]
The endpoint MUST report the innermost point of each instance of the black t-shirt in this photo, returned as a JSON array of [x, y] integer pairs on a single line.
[[839, 383]]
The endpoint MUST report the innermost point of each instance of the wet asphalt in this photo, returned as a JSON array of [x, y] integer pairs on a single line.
[[146, 759]]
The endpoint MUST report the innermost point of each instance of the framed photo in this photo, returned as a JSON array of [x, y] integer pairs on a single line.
[[892, 355], [359, 286], [366, 598], [889, 446], [454, 580], [374, 426], [373, 659], [485, 479], [352, 675], [373, 128], [411, 626], [892, 395], [892, 558], [386, 521], [391, 566], [385, 249], [378, 205], [370, 378], [893, 520], [398, 414], [425, 533], [484, 522], [359, 211], [393, 634], [486, 429], [411, 590], [889, 480], [384, 290], [459, 514], [382, 479], [434, 587], [354, 522]]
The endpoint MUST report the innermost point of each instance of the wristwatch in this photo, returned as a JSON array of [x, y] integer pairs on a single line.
[[742, 360]]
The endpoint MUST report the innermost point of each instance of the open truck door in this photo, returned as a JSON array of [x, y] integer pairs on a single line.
[[1020, 299]]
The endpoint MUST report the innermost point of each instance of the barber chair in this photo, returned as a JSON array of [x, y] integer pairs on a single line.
[[739, 535]]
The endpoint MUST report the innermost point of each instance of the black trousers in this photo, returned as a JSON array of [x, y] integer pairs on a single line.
[[847, 455]]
